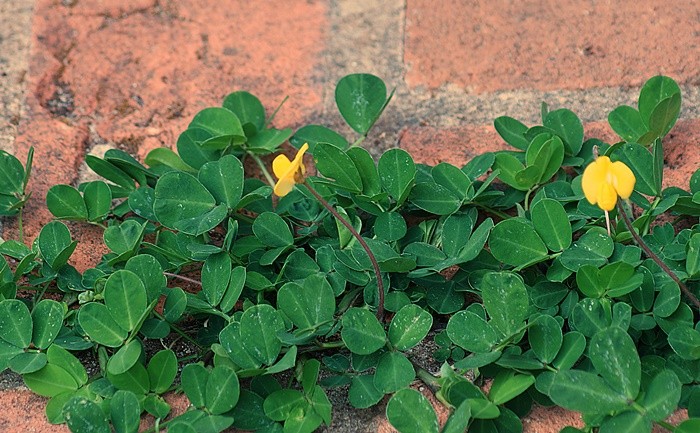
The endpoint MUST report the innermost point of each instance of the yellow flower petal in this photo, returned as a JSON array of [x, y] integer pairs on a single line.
[[607, 197], [280, 165], [593, 176], [623, 179], [283, 187], [289, 172]]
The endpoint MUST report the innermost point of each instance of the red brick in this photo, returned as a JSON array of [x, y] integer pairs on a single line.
[[546, 45], [134, 73]]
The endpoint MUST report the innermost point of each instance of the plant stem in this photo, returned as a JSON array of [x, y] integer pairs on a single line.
[[427, 377], [527, 198], [183, 278], [263, 168], [656, 258], [666, 425], [375, 265], [274, 113], [20, 227], [358, 141]]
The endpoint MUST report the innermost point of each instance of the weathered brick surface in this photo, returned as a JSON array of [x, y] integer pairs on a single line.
[[133, 73], [496, 45]]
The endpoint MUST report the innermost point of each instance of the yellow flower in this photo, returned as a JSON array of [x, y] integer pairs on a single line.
[[604, 180], [289, 173]]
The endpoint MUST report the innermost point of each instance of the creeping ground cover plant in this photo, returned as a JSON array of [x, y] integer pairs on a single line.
[[557, 273]]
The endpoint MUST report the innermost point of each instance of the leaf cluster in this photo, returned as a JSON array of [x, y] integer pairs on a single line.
[[501, 262]]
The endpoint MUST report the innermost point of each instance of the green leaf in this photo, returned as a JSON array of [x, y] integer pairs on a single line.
[[149, 270], [434, 198], [65, 202], [222, 390], [98, 200], [234, 289], [662, 395], [685, 341], [125, 237], [335, 164], [247, 107], [688, 426], [614, 356], [60, 357], [362, 333], [626, 422], [452, 178], [585, 392], [545, 338], [409, 327], [459, 419], [394, 372], [568, 127], [692, 260], [125, 298], [390, 226], [508, 384], [665, 114], [28, 362], [47, 318], [512, 131], [506, 301], [163, 156], [509, 167], [268, 140], [162, 369], [655, 90], [134, 380], [55, 244], [272, 230], [194, 382], [641, 162], [98, 324], [219, 122], [360, 99], [124, 358], [515, 242], [11, 174], [668, 300], [362, 393], [110, 172], [397, 173], [216, 274], [627, 123], [141, 202], [408, 411], [470, 331], [15, 323], [224, 180], [50, 381], [189, 147], [309, 305], [593, 248], [83, 415], [175, 304], [552, 224], [279, 405], [314, 134], [125, 412], [364, 162], [260, 325], [180, 196], [199, 225]]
